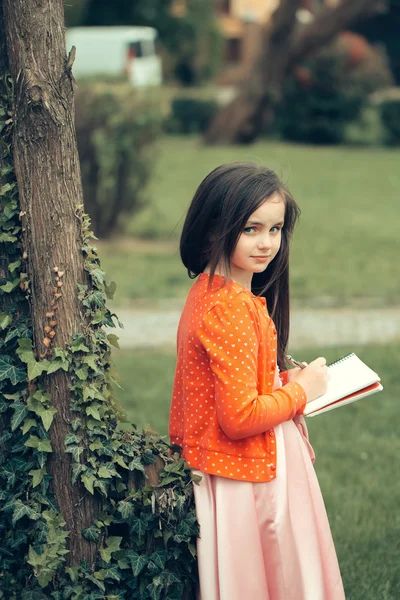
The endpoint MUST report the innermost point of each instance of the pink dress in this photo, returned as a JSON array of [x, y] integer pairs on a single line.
[[268, 541]]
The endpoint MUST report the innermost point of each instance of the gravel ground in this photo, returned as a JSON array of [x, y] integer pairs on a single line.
[[309, 327]]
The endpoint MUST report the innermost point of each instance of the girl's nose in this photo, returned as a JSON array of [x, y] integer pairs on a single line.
[[265, 242]]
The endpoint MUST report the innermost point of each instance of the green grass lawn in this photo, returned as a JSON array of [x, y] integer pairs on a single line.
[[346, 244], [357, 450]]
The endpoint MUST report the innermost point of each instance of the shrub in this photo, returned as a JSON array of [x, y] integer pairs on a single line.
[[328, 92], [190, 115], [367, 129], [116, 127], [390, 116]]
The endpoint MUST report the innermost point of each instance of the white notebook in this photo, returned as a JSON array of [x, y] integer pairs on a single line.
[[350, 380]]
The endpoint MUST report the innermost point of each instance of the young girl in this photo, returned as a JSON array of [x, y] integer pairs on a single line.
[[264, 533]]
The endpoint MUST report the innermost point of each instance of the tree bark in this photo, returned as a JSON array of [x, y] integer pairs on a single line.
[[4, 68], [285, 44], [49, 182]]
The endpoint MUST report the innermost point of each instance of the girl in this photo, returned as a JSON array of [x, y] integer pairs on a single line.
[[264, 533]]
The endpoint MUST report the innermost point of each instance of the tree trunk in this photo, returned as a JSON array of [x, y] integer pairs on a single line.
[[285, 44], [49, 182]]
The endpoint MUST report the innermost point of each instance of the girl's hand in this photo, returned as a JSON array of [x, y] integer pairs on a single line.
[[313, 379], [293, 373]]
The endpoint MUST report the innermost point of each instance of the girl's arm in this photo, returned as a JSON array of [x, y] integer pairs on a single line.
[[229, 336], [284, 376]]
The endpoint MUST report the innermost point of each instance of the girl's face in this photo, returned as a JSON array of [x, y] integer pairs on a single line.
[[259, 242]]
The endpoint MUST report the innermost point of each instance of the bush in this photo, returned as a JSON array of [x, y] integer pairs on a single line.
[[190, 115], [390, 116], [328, 92], [367, 129], [116, 127]]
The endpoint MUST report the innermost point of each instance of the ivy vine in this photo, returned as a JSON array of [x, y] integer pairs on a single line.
[[146, 535]]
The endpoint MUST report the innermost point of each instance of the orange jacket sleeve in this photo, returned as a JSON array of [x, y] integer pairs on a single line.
[[229, 335]]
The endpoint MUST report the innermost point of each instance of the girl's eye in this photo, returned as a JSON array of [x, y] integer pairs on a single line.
[[249, 229], [275, 228]]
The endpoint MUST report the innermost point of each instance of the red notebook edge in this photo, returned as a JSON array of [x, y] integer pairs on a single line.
[[367, 391]]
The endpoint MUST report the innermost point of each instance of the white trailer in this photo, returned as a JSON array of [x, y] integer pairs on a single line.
[[129, 51]]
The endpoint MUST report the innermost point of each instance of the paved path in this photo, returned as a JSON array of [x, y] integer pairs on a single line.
[[309, 327]]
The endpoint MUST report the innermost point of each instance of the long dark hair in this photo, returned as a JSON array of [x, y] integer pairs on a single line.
[[216, 217]]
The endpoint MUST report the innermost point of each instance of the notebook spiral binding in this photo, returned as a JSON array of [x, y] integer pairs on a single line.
[[340, 360]]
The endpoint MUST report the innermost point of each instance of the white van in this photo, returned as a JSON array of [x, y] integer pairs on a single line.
[[129, 51]]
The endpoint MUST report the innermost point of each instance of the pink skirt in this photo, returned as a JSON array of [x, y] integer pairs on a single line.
[[268, 541]]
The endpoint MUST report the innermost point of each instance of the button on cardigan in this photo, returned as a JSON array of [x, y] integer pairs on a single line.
[[224, 409]]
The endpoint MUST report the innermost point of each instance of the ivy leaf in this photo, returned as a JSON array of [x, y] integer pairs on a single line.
[[47, 417], [167, 480], [20, 510], [91, 361], [78, 344], [10, 285], [99, 317], [9, 371], [139, 526], [136, 465], [35, 406], [111, 572], [32, 594], [41, 396], [71, 438], [113, 544], [45, 577], [57, 364], [19, 537], [15, 396], [14, 265], [7, 187], [77, 469], [107, 472], [96, 582], [154, 589], [102, 487], [44, 446], [28, 424], [20, 412], [94, 411], [118, 459], [76, 451], [113, 339], [36, 368], [98, 275], [5, 437], [32, 441], [138, 562], [168, 578], [91, 534], [96, 445], [37, 475], [73, 572], [126, 509], [82, 373], [25, 353], [158, 558], [5, 320], [110, 290], [91, 392], [100, 575], [88, 481]]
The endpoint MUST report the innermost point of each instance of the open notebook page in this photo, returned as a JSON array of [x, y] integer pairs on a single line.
[[347, 375]]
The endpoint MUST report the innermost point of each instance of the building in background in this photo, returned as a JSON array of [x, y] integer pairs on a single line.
[[242, 23]]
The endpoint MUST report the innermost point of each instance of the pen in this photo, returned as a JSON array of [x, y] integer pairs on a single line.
[[295, 362]]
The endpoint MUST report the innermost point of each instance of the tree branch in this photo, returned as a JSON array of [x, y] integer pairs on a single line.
[[327, 25]]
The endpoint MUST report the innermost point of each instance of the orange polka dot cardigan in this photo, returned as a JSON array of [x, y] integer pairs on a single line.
[[223, 409]]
